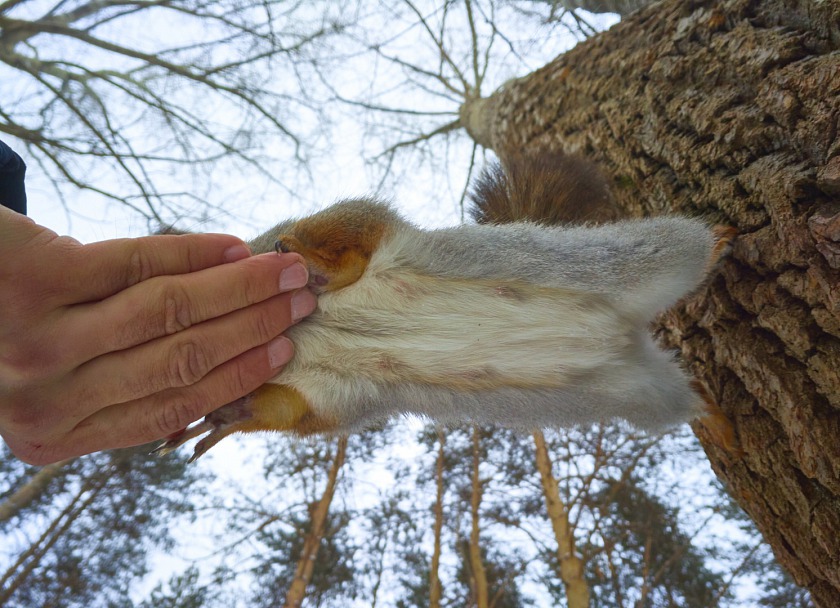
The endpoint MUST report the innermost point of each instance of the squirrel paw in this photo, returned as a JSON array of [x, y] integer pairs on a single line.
[[717, 427], [272, 407], [724, 239], [218, 424]]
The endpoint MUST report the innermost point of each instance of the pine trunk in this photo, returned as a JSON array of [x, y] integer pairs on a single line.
[[32, 490], [571, 565], [18, 573], [728, 110], [478, 575], [306, 562], [435, 587]]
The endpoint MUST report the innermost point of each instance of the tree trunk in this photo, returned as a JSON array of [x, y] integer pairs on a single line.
[[728, 110], [435, 587], [622, 7], [571, 565], [31, 490], [477, 573], [17, 573], [306, 562]]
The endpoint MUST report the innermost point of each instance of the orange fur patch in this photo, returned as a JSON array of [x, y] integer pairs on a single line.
[[278, 407], [275, 407], [339, 253]]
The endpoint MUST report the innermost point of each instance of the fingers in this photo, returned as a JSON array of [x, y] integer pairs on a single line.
[[184, 359], [34, 266], [102, 269], [69, 272], [15, 229], [166, 305], [78, 416], [160, 415]]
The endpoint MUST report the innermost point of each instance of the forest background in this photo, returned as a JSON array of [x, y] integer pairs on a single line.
[[227, 116]]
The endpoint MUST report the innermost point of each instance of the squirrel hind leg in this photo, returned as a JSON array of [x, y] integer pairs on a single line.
[[724, 237], [218, 424], [713, 424], [272, 407]]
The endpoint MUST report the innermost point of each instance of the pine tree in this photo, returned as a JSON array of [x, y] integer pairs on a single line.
[[181, 591], [571, 565], [85, 539], [488, 573], [643, 558]]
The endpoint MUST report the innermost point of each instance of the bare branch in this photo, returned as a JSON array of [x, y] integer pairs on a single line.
[[83, 112], [450, 126], [467, 181], [9, 5], [476, 89], [444, 54]]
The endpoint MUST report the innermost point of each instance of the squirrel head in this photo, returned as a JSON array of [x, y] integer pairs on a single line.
[[338, 242]]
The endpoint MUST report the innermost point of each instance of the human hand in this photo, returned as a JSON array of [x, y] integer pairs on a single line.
[[127, 341]]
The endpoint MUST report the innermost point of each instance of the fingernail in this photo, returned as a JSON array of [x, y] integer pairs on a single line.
[[237, 252], [280, 351], [293, 277], [303, 303]]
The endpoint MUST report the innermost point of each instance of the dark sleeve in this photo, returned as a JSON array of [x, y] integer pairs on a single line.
[[12, 170]]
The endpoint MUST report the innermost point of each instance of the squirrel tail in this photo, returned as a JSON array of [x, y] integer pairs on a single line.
[[547, 188]]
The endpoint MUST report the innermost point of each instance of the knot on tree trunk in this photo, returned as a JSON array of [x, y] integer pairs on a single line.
[[474, 115]]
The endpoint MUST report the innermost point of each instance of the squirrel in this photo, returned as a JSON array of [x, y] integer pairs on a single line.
[[535, 316]]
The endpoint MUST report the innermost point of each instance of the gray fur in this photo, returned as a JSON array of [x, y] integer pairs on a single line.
[[645, 266]]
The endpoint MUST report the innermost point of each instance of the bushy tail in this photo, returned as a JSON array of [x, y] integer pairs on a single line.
[[543, 187]]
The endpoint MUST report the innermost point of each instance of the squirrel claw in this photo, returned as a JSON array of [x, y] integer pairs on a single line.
[[178, 439], [724, 240], [717, 426], [217, 424]]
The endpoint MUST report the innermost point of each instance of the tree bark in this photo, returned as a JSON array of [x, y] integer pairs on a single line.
[[477, 573], [728, 110], [571, 565], [622, 7], [435, 587], [306, 562], [31, 490]]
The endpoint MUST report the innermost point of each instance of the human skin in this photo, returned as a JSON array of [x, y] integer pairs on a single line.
[[127, 341]]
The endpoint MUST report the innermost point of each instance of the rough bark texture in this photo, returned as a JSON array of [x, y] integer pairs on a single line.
[[728, 110]]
